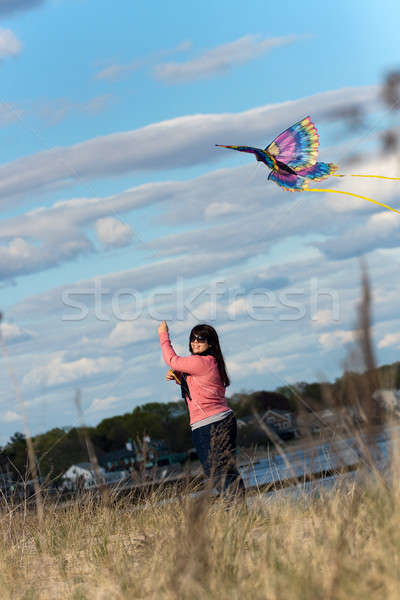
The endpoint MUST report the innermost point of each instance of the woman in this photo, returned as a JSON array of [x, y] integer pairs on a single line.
[[203, 380]]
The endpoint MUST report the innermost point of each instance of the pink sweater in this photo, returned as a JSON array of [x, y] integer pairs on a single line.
[[204, 381]]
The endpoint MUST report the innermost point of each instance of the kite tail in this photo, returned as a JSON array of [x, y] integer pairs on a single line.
[[350, 194], [376, 176]]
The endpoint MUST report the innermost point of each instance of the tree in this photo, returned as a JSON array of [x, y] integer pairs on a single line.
[[56, 450], [17, 454]]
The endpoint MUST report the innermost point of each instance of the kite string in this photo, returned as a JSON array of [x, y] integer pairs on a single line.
[[377, 176], [351, 194]]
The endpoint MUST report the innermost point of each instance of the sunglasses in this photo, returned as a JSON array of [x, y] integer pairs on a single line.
[[198, 338]]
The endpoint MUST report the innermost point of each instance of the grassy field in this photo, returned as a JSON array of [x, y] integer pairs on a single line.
[[344, 544]]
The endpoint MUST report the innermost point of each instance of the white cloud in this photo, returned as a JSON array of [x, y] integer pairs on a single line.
[[18, 249], [101, 404], [113, 232], [18, 257], [111, 402], [179, 142], [220, 59], [60, 372], [390, 339], [201, 311], [241, 368], [9, 44], [324, 317], [10, 416], [221, 209], [141, 392], [239, 306], [131, 332], [267, 364], [336, 338], [10, 112], [116, 71], [13, 333]]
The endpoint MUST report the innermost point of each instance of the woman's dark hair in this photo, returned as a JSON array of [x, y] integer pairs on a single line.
[[214, 348]]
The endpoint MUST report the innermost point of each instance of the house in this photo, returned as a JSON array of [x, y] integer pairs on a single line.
[[173, 458], [81, 474], [388, 399], [118, 460], [283, 422]]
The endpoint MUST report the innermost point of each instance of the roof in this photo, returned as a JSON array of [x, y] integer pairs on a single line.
[[83, 465], [83, 468], [280, 413]]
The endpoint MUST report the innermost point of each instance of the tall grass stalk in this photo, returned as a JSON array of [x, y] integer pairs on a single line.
[[22, 414]]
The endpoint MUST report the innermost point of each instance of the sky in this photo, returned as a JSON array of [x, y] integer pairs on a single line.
[[118, 210]]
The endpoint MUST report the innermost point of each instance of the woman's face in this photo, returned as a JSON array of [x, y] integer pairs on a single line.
[[198, 343]]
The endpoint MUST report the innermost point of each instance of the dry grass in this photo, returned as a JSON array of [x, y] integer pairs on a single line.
[[344, 544]]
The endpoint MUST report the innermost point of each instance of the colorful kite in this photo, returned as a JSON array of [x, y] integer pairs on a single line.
[[292, 158]]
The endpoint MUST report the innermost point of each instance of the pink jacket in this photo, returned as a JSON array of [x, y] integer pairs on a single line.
[[204, 381]]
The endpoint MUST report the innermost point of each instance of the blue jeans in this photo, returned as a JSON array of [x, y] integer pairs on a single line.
[[215, 445]]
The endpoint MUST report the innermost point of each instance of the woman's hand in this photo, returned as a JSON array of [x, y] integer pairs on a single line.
[[169, 376], [163, 327], [172, 375]]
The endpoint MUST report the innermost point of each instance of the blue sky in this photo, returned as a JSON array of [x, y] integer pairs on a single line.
[[109, 177]]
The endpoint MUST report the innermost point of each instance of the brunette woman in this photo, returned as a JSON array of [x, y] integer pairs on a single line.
[[203, 380]]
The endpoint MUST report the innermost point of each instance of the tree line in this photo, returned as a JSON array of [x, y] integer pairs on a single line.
[[58, 448]]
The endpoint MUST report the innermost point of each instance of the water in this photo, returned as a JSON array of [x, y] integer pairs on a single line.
[[321, 462]]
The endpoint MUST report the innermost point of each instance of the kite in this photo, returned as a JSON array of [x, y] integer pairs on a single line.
[[292, 159]]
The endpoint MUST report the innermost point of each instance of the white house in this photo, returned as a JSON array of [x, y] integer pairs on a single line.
[[81, 472], [389, 399], [281, 420]]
